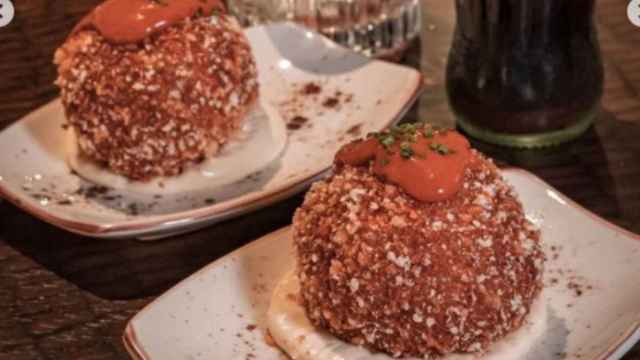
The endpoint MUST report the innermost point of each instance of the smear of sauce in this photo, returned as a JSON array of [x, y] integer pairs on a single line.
[[130, 21], [430, 168]]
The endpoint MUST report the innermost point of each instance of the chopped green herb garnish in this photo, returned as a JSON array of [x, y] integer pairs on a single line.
[[388, 140], [384, 161], [440, 149], [395, 131], [406, 153], [405, 150], [407, 128], [385, 139], [407, 134]]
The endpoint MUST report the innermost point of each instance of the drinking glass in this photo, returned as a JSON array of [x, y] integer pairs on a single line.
[[525, 73], [377, 28]]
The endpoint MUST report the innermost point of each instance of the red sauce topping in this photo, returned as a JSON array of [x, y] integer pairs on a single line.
[[430, 169], [130, 21]]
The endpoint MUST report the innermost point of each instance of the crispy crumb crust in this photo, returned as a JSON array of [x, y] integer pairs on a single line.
[[150, 109], [379, 269]]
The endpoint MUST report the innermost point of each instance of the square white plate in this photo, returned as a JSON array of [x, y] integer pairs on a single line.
[[373, 95], [591, 294]]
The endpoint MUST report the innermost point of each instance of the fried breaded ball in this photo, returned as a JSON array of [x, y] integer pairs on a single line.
[[378, 268], [152, 108]]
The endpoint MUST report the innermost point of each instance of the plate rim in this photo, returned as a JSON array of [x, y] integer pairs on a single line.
[[129, 336], [122, 229], [137, 351]]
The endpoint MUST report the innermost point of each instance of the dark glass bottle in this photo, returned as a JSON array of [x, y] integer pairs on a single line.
[[525, 73]]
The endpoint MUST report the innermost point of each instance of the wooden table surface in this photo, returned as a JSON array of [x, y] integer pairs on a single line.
[[63, 296]]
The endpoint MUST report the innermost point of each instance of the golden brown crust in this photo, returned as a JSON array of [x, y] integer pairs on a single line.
[[379, 269], [150, 109]]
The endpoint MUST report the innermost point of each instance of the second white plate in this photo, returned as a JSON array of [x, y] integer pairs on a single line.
[[350, 96]]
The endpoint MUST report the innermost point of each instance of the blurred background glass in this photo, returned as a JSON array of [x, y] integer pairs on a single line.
[[525, 73], [377, 28]]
